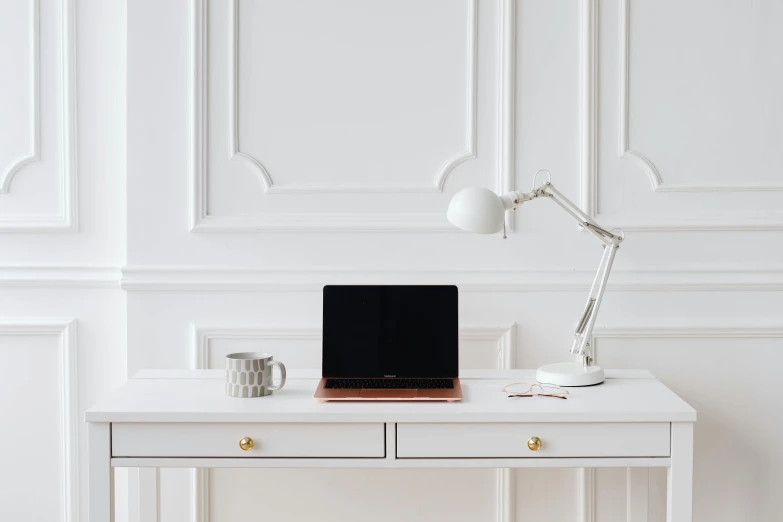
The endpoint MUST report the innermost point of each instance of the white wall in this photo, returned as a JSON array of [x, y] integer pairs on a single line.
[[659, 117], [62, 241]]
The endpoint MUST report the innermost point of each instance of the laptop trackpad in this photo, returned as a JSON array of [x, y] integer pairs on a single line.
[[388, 394]]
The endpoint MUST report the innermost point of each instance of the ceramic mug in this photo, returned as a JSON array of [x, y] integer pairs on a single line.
[[249, 374]]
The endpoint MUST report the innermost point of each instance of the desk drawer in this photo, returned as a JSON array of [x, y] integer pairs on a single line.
[[488, 440], [269, 440]]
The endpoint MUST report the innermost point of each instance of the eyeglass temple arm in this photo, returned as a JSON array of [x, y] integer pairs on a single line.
[[611, 243]]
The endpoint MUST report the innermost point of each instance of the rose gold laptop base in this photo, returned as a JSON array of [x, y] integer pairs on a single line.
[[381, 394]]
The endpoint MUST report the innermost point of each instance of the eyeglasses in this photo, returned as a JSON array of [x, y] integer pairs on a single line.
[[540, 389]]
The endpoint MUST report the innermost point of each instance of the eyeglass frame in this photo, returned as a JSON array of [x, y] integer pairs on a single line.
[[529, 392]]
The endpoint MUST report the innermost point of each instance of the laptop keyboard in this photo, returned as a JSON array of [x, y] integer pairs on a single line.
[[389, 383]]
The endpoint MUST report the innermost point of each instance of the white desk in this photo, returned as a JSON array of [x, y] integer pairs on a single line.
[[180, 418]]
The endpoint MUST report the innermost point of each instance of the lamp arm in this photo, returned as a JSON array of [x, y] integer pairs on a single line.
[[611, 243], [584, 328], [584, 220]]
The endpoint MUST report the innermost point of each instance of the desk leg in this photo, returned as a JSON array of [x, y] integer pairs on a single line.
[[679, 501], [100, 495]]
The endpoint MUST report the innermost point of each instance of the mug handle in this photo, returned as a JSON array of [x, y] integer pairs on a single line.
[[281, 366]]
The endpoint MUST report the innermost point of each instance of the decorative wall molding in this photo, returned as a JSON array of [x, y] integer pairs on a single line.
[[589, 121], [588, 105], [66, 219], [637, 479], [506, 338], [506, 495], [588, 160], [471, 80], [649, 168], [199, 483], [176, 278], [60, 276], [34, 153], [201, 221], [65, 330], [440, 176], [709, 328], [201, 334], [625, 87], [300, 279], [586, 488], [198, 114], [307, 222], [507, 88]]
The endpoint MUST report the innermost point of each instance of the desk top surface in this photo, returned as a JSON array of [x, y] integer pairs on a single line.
[[198, 396]]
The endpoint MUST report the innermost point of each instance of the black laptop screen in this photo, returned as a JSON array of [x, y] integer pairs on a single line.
[[390, 331]]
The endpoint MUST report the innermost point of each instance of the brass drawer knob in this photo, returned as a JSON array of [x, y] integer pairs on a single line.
[[534, 443], [247, 443]]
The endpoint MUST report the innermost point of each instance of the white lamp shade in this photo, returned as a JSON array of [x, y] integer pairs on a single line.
[[477, 210]]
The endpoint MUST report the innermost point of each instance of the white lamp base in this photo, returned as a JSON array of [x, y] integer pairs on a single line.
[[570, 374]]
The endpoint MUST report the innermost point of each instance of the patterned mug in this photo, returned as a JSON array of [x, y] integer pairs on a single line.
[[249, 374]]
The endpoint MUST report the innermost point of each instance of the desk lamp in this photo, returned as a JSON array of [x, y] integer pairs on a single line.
[[479, 210]]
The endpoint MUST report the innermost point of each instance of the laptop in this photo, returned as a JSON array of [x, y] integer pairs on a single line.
[[390, 343]]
